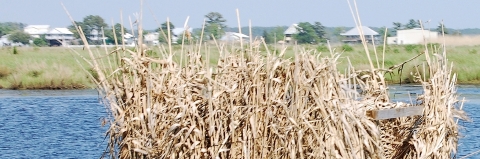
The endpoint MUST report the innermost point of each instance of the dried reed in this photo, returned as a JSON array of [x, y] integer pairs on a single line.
[[254, 104]]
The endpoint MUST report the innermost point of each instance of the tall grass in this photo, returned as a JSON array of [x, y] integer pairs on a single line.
[[48, 68]]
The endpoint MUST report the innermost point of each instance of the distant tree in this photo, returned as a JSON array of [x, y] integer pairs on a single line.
[[94, 22], [441, 29], [76, 34], [10, 27], [40, 41], [320, 31], [163, 30], [20, 37], [381, 32], [118, 33], [337, 33], [267, 37], [277, 34], [306, 34], [412, 24], [215, 25], [397, 26]]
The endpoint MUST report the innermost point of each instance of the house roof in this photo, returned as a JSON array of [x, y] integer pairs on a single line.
[[60, 31], [38, 26], [355, 31], [179, 31], [233, 36], [292, 29]]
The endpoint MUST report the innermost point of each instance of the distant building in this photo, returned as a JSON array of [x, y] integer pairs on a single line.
[[353, 35], [4, 41], [151, 38], [412, 36], [233, 36], [36, 30], [290, 32], [96, 35], [59, 37], [178, 33]]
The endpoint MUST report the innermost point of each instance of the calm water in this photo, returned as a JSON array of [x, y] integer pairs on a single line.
[[66, 124]]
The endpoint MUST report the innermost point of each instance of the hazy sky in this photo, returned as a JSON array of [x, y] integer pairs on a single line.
[[456, 14]]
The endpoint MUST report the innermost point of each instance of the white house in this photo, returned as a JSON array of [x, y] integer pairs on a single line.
[[36, 30], [4, 40], [412, 36], [59, 36], [289, 33], [178, 33], [151, 38], [96, 35], [353, 35]]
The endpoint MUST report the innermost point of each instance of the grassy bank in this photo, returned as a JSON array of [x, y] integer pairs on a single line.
[[41, 68], [57, 68]]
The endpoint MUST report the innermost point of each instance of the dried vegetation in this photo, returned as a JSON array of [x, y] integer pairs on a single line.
[[254, 104]]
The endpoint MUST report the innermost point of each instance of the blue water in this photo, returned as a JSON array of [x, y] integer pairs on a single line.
[[67, 124], [51, 124]]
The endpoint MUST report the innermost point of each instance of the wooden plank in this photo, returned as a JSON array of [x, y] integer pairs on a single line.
[[395, 112]]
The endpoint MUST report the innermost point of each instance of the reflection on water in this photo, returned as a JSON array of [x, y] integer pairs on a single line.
[[66, 124]]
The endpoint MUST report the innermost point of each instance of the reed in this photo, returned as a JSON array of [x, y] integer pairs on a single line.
[[253, 103]]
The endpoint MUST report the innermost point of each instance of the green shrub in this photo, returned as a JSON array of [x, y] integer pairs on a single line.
[[347, 48], [39, 42], [396, 51], [34, 73], [15, 51], [411, 48], [472, 51], [322, 48]]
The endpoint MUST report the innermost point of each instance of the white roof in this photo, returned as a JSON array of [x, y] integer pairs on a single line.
[[38, 26], [128, 36], [60, 31], [292, 29], [179, 31], [366, 31]]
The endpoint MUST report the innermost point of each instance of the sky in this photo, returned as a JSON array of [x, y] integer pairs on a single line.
[[267, 13]]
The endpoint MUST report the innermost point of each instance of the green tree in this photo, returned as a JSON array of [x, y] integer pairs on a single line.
[[381, 32], [320, 31], [10, 27], [442, 29], [306, 33], [337, 31], [94, 22], [412, 24], [277, 34], [215, 25], [42, 41], [267, 37], [118, 33], [163, 30], [20, 37], [397, 26]]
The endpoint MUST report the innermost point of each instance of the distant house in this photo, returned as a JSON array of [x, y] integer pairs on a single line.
[[96, 35], [178, 33], [353, 35], [151, 38], [4, 41], [233, 36], [412, 36], [36, 30], [290, 32], [59, 37]]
